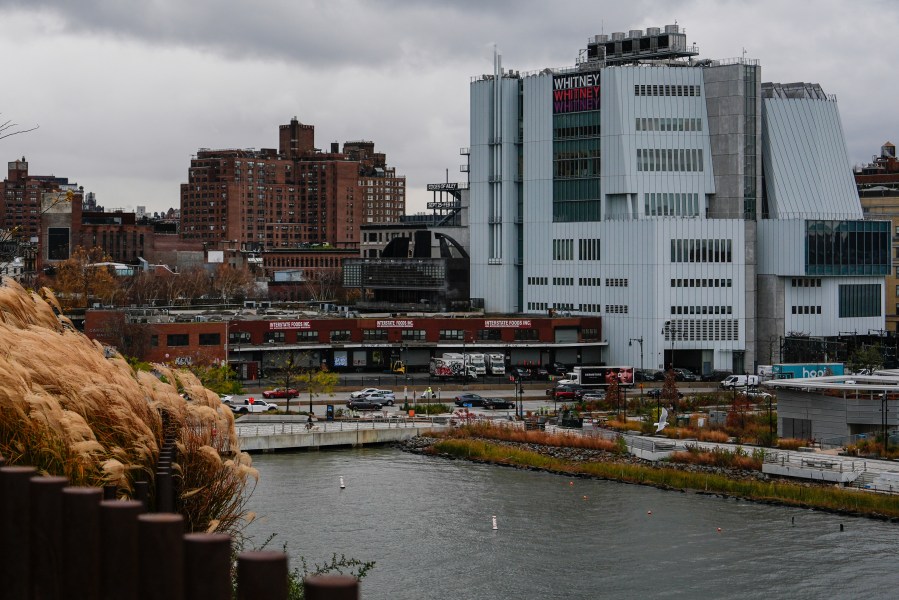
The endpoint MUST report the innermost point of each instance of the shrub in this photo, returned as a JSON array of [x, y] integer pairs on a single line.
[[515, 434], [790, 443], [713, 435]]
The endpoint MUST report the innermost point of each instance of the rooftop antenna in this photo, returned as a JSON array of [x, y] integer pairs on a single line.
[[744, 53]]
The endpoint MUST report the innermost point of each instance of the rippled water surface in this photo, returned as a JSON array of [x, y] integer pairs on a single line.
[[427, 524]]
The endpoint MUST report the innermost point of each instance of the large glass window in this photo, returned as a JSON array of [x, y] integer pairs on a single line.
[[210, 339], [861, 300], [576, 167], [177, 339], [847, 248]]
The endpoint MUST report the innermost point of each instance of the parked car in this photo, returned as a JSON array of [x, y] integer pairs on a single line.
[[280, 392], [758, 395], [469, 399], [384, 397], [363, 404], [541, 373], [645, 374], [681, 374], [367, 391], [716, 376], [565, 392], [593, 396], [226, 399], [520, 372], [492, 403], [257, 406], [558, 368]]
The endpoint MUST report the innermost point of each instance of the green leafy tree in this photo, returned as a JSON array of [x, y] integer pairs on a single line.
[[318, 382], [218, 378], [867, 358]]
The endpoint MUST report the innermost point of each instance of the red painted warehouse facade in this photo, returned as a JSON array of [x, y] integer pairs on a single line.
[[348, 344]]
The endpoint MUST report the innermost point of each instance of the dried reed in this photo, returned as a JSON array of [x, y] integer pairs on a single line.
[[71, 407]]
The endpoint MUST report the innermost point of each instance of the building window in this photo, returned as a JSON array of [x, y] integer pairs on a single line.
[[238, 337], [340, 335], [369, 335], [489, 334], [414, 335], [177, 339], [847, 247], [588, 249], [273, 337], [210, 339], [527, 334], [452, 334], [701, 250], [563, 249], [860, 300], [154, 340], [590, 333]]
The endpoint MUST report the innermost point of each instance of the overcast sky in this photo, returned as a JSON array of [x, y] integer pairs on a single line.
[[125, 92]]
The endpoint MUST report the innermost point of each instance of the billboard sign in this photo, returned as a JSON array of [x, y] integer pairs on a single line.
[[575, 93], [803, 370]]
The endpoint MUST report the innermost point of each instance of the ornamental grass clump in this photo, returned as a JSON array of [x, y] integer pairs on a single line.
[[522, 436], [71, 407], [719, 457]]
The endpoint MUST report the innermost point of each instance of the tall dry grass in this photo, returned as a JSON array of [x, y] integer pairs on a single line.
[[511, 434], [70, 407]]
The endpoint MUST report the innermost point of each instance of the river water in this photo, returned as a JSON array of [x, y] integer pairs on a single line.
[[427, 523]]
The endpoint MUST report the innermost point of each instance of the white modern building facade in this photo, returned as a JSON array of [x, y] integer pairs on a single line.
[[701, 213]]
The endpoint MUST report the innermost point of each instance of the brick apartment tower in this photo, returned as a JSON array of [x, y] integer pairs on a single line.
[[298, 195], [21, 195]]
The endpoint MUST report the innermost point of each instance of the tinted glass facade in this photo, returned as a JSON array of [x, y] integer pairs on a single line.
[[847, 248], [576, 166], [860, 300]]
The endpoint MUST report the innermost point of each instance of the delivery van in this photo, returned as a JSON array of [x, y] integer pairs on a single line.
[[738, 381]]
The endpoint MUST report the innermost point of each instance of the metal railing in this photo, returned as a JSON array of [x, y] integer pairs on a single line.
[[820, 462], [287, 428]]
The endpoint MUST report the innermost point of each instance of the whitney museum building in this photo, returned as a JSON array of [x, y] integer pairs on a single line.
[[702, 213]]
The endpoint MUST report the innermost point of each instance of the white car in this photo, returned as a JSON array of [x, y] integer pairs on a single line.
[[258, 406], [226, 399], [367, 391]]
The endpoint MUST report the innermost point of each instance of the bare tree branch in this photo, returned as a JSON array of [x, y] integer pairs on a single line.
[[8, 125]]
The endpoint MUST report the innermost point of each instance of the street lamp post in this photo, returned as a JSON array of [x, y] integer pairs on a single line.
[[883, 421], [630, 342]]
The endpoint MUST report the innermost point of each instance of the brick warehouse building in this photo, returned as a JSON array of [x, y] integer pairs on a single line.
[[257, 342], [292, 197]]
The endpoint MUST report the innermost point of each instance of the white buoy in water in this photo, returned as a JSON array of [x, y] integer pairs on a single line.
[[494, 523], [342, 486]]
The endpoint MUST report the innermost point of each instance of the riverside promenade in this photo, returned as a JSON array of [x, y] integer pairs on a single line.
[[265, 434]]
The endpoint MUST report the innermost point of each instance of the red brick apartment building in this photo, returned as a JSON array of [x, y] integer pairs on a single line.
[[257, 342], [22, 197], [292, 197]]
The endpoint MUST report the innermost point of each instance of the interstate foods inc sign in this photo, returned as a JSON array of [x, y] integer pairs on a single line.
[[503, 323], [575, 93]]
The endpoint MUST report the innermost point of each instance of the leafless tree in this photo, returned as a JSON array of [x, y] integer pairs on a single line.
[[8, 129], [230, 283], [322, 284]]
